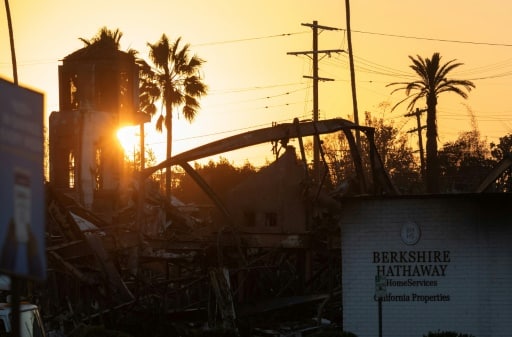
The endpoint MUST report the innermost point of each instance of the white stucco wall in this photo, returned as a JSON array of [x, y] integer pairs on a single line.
[[456, 277], [98, 128]]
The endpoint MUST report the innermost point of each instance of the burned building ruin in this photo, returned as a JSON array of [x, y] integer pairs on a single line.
[[272, 253], [98, 94]]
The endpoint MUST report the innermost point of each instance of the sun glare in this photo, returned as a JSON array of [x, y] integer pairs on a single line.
[[129, 138]]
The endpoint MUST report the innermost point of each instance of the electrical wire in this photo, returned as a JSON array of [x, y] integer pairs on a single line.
[[434, 39], [339, 61]]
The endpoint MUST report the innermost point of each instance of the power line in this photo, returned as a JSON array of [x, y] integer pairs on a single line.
[[246, 39], [222, 132], [361, 64], [506, 74], [35, 62], [235, 90], [287, 93], [370, 67], [433, 39]]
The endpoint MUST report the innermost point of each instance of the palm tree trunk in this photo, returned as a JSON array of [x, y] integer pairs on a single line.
[[168, 126], [432, 159]]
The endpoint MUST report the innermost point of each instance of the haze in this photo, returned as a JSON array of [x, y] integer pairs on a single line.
[[253, 82]]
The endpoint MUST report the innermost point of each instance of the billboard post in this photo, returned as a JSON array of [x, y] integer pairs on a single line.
[[380, 292]]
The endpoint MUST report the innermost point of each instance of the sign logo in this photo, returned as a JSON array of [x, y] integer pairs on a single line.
[[410, 233]]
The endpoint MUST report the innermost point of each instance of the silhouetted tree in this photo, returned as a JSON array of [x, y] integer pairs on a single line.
[[396, 155], [106, 37], [134, 159], [499, 151], [148, 88], [433, 80], [180, 85], [502, 148], [108, 40], [221, 176], [464, 162]]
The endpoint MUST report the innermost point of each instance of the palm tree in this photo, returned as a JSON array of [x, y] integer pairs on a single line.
[[106, 37], [432, 81], [180, 86]]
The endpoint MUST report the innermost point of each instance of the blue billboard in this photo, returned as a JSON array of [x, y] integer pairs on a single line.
[[22, 206]]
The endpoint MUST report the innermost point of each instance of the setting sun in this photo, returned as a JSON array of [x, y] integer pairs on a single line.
[[129, 138], [254, 82]]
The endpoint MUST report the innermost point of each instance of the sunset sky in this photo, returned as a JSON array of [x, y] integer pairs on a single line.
[[253, 82]]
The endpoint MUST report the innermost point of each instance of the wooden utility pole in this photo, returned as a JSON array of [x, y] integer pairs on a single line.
[[11, 39], [15, 280], [352, 73], [419, 129], [316, 144]]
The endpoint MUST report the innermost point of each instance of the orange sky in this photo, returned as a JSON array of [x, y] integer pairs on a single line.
[[252, 80]]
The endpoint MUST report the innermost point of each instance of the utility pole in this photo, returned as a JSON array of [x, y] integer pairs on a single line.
[[11, 39], [419, 129], [15, 280], [352, 73], [316, 144], [141, 146]]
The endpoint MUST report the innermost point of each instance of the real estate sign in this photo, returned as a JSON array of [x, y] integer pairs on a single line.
[[444, 262], [22, 232]]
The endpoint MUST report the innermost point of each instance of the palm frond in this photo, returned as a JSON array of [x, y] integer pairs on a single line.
[[105, 37], [160, 123], [195, 62], [174, 47], [453, 89], [400, 102], [176, 79], [448, 67], [159, 52], [190, 108], [194, 86], [419, 66], [85, 41]]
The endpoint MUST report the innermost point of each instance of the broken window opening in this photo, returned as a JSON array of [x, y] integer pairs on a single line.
[[270, 219], [73, 93], [98, 176], [71, 170]]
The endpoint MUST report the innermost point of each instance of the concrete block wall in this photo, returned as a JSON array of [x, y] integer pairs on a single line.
[[447, 263]]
